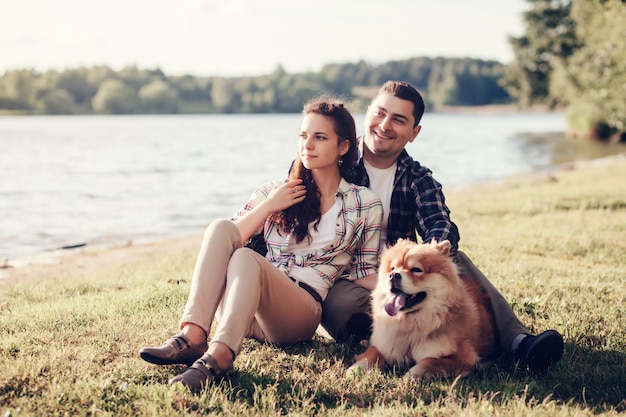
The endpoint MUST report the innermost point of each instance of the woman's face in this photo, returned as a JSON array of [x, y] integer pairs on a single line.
[[319, 146]]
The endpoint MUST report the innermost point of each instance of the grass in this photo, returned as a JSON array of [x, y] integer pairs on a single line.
[[553, 245]]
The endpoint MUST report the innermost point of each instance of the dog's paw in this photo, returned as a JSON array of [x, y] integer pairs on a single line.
[[357, 370], [416, 372]]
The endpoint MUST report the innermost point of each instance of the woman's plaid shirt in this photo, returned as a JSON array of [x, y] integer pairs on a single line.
[[356, 242]]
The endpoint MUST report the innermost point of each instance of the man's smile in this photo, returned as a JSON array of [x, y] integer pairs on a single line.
[[380, 135]]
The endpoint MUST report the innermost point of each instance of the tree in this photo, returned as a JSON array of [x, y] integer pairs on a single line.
[[57, 101], [137, 78], [442, 83], [18, 89], [159, 97], [114, 97], [294, 91], [550, 38], [223, 95], [76, 83], [593, 80]]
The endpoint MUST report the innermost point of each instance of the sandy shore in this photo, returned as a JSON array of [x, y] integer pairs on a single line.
[[90, 258]]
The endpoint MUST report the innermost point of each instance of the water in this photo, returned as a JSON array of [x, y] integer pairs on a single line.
[[68, 180]]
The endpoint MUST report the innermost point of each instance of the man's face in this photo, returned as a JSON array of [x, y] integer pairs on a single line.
[[388, 128]]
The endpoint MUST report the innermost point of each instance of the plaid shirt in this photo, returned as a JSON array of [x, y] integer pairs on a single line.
[[417, 204], [357, 236]]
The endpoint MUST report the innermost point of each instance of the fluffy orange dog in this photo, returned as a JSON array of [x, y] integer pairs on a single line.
[[425, 316]]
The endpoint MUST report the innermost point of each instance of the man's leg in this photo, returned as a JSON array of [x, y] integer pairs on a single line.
[[507, 323], [537, 352], [346, 312]]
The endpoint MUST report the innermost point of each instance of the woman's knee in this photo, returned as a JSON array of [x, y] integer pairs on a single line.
[[219, 226], [223, 231], [247, 259]]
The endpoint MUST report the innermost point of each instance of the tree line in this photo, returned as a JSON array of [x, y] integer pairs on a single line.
[[132, 90], [572, 55]]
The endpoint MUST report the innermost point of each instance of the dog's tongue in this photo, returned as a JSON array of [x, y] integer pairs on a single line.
[[395, 304]]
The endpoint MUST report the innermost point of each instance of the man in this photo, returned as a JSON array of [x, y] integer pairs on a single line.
[[413, 201]]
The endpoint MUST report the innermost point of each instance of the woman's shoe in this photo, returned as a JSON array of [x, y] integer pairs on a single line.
[[175, 350], [201, 373]]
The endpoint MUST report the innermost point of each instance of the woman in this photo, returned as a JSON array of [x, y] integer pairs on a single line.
[[316, 226]]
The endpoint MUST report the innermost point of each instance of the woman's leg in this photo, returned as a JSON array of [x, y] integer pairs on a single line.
[[221, 239], [261, 302]]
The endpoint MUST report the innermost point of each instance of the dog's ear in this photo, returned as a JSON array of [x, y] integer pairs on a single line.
[[444, 247]]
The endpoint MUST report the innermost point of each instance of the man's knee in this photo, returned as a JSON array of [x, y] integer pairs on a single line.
[[346, 311]]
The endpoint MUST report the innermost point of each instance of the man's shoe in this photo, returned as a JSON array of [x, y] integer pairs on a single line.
[[201, 373], [175, 350], [541, 351]]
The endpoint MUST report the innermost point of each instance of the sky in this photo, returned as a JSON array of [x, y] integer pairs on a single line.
[[250, 37]]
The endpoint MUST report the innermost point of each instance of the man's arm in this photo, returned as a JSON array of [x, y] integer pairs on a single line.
[[369, 282], [432, 215]]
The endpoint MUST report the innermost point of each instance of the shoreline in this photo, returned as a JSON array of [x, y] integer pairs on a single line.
[[89, 258], [86, 259], [495, 109]]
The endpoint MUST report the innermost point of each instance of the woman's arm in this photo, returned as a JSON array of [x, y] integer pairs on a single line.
[[279, 198]]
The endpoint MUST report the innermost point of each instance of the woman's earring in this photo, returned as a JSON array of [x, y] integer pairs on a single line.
[[340, 162]]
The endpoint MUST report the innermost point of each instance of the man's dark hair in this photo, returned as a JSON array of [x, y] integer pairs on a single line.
[[405, 91]]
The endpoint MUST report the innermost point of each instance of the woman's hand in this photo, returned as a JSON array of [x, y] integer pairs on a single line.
[[280, 198], [290, 193]]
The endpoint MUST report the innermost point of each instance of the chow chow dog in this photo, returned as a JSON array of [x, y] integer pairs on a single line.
[[426, 316]]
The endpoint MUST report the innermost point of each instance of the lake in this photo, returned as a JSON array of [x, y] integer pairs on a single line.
[[98, 180]]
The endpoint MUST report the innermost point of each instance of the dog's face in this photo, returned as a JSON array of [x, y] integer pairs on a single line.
[[413, 275]]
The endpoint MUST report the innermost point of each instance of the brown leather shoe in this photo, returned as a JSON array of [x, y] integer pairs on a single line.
[[201, 373], [177, 349]]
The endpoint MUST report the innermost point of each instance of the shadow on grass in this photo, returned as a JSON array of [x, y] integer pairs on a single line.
[[591, 379]]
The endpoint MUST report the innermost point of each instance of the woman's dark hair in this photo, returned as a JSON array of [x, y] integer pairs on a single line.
[[296, 219]]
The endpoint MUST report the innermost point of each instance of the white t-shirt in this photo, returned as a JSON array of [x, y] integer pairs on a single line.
[[381, 183], [323, 237]]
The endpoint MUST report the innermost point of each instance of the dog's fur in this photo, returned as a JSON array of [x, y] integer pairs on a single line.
[[426, 316]]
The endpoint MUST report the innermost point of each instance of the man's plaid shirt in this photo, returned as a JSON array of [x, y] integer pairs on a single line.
[[417, 204]]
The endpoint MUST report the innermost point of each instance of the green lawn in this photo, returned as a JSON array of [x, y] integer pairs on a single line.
[[554, 246]]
